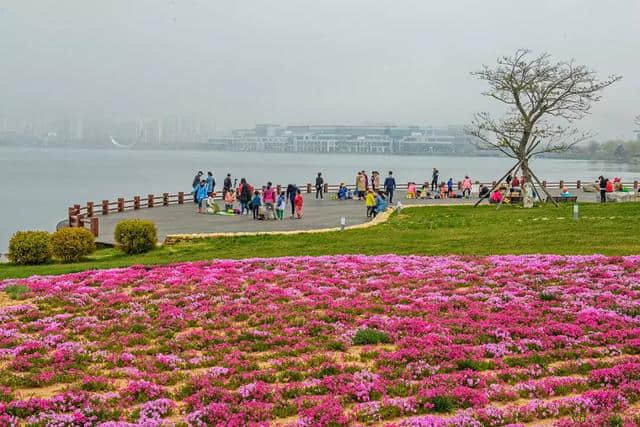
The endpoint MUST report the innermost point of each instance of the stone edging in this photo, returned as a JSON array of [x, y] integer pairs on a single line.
[[172, 239]]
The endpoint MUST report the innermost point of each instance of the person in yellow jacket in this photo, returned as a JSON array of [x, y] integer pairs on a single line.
[[370, 202]]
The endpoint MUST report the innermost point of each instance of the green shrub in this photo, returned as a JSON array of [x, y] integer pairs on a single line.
[[71, 244], [30, 247], [370, 336], [16, 292], [135, 236]]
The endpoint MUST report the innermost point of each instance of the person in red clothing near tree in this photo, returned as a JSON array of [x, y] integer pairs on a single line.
[[298, 201]]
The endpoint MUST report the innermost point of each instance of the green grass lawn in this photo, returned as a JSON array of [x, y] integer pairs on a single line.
[[611, 229]]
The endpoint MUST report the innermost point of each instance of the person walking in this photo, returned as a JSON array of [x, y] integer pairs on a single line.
[[370, 202], [603, 188], [434, 179], [292, 191], [269, 199], [195, 184], [466, 187], [244, 195], [319, 184], [390, 186], [211, 182]]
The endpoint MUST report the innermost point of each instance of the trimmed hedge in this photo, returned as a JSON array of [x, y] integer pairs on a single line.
[[135, 236], [30, 247], [71, 244]]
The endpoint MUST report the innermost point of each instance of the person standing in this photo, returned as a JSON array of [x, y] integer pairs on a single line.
[[211, 182], [434, 179], [195, 184], [201, 196], [269, 199], [390, 186], [227, 184], [375, 181], [319, 184], [450, 187], [370, 203], [292, 192], [298, 201], [244, 195], [466, 187], [366, 181], [360, 185], [280, 205], [603, 188], [255, 204]]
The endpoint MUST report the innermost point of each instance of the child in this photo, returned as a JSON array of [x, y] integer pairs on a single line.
[[370, 202], [212, 206], [424, 192], [411, 191], [255, 204], [229, 198], [280, 205], [298, 201]]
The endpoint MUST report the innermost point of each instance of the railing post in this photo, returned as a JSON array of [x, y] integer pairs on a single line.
[[635, 184], [120, 204], [80, 220], [165, 199], [308, 188], [544, 184], [150, 200], [325, 189], [89, 209], [94, 226], [561, 184], [578, 184], [71, 213], [459, 185], [136, 202], [105, 207], [493, 184], [181, 198], [77, 208]]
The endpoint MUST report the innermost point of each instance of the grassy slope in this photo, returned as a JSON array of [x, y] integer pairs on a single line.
[[611, 229]]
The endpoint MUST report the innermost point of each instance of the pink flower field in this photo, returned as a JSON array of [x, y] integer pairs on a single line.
[[327, 341]]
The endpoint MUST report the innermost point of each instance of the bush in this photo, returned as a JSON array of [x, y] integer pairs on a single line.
[[370, 336], [30, 247], [71, 244], [135, 236]]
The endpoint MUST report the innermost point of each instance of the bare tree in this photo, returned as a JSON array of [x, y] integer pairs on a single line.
[[544, 98]]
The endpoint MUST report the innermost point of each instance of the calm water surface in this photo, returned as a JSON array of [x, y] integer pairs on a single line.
[[37, 185]]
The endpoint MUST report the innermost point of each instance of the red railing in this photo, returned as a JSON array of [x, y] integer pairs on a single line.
[[86, 216]]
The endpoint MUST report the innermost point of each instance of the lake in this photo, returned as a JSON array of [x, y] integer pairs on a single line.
[[37, 185]]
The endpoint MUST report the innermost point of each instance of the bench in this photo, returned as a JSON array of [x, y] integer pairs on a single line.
[[560, 199]]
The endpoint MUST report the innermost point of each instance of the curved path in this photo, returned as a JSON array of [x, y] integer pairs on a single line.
[[318, 214]]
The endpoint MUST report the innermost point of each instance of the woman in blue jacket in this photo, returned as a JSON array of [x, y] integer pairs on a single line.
[[201, 195]]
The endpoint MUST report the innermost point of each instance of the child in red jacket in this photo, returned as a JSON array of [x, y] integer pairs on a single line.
[[298, 201]]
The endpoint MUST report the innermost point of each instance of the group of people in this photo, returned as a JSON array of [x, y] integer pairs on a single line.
[[264, 204], [608, 186]]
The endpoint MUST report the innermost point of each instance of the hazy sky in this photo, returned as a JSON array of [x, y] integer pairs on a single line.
[[302, 61]]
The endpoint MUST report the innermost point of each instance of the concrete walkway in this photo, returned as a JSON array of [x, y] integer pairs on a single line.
[[318, 214]]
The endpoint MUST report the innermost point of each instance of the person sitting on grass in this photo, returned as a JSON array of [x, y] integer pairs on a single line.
[[496, 197], [381, 204], [200, 195], [255, 204], [484, 190], [370, 202], [298, 201]]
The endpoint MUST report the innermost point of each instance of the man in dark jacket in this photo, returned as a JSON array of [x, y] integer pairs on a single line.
[[227, 184], [603, 188], [434, 179], [390, 186], [319, 184], [292, 191]]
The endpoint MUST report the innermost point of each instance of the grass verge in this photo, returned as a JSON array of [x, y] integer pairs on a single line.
[[610, 229]]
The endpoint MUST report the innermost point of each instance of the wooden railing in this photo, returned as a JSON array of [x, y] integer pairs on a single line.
[[87, 215]]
